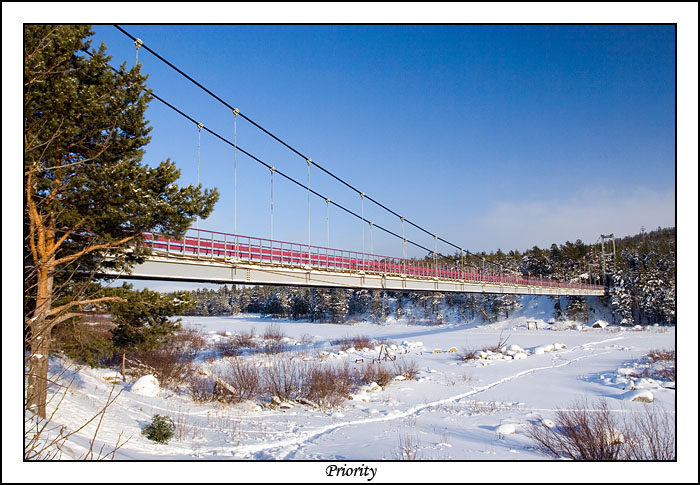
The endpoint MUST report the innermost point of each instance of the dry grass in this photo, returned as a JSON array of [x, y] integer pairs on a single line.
[[594, 434]]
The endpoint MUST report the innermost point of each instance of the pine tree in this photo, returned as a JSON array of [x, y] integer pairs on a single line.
[[338, 305], [88, 197], [143, 319]]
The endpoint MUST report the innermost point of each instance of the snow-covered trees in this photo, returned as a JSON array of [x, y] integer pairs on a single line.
[[642, 289]]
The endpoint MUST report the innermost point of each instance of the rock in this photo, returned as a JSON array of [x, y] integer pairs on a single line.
[[519, 356], [399, 378], [452, 350], [559, 346], [286, 405], [600, 324], [516, 348]]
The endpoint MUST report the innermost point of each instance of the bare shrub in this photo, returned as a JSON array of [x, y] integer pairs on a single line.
[[273, 332], [656, 355], [246, 339], [329, 387], [358, 342], [238, 382], [182, 425], [406, 367], [170, 367], [650, 435], [581, 434], [306, 339], [375, 372], [467, 354], [227, 348], [45, 440], [592, 433], [188, 342], [274, 347], [498, 346], [201, 388], [273, 340], [408, 447], [285, 379], [660, 364]]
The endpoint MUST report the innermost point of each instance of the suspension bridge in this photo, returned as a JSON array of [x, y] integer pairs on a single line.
[[217, 257]]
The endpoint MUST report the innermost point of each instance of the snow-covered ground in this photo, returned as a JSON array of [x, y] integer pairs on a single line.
[[453, 410]]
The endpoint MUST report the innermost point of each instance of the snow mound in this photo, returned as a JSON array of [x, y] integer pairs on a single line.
[[548, 423], [146, 386], [504, 429], [543, 348], [641, 396], [600, 324], [614, 436], [360, 396]]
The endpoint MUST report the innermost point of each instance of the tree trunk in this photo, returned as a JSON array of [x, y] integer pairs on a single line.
[[40, 339], [37, 377]]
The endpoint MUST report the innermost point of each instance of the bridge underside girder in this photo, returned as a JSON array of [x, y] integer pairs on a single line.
[[202, 271]]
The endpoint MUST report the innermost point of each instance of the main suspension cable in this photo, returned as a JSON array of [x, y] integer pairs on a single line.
[[253, 157], [182, 73]]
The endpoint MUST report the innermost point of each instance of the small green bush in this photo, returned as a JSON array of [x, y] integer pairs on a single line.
[[160, 430]]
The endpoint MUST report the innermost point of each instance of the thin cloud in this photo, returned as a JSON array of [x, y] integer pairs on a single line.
[[585, 215]]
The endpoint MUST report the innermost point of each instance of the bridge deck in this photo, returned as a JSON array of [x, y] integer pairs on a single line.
[[207, 256]]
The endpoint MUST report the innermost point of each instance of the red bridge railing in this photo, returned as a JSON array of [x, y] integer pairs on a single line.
[[214, 245]]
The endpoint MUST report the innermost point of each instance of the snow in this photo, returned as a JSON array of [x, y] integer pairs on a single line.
[[146, 386], [507, 428], [641, 396], [456, 410]]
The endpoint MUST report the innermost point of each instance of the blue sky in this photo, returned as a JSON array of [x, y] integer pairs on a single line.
[[491, 136]]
